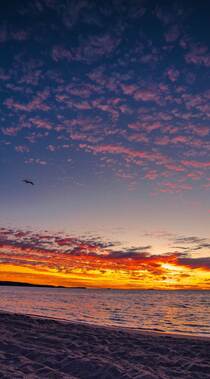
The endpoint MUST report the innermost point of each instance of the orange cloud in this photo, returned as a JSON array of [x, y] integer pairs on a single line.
[[68, 261]]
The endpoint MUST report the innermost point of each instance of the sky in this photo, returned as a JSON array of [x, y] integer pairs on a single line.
[[105, 107]]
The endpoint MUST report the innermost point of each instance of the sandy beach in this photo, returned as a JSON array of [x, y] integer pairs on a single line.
[[33, 347]]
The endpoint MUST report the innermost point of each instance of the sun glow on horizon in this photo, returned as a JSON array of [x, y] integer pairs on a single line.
[[64, 260], [121, 275], [105, 143]]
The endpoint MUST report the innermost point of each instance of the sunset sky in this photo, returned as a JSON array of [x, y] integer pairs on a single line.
[[105, 106]]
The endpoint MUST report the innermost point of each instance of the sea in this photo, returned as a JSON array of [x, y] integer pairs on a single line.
[[180, 312]]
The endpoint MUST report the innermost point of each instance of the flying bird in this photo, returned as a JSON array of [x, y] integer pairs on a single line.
[[28, 182]]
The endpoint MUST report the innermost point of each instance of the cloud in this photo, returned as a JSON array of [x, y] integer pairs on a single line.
[[35, 161], [196, 164], [117, 149], [163, 14], [41, 124], [22, 149], [147, 95], [173, 74], [196, 262], [192, 244], [11, 131], [131, 100], [189, 240], [15, 35], [198, 55], [37, 103], [90, 49], [172, 33], [91, 252]]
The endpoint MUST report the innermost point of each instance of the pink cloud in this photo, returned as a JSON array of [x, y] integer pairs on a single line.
[[3, 75], [51, 148], [198, 55], [81, 105], [16, 35], [31, 77], [3, 34], [180, 139], [145, 126], [115, 149], [20, 35], [89, 50], [164, 140], [130, 154], [172, 34], [11, 131], [147, 95], [97, 46], [36, 161], [194, 175], [129, 89], [138, 137], [173, 74], [196, 164], [36, 104], [175, 187], [22, 149], [151, 175], [41, 124], [59, 53], [199, 130], [163, 15]]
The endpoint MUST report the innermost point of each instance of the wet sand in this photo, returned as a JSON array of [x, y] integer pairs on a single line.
[[32, 347]]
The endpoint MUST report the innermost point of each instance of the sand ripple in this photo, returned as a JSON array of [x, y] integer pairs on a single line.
[[42, 348]]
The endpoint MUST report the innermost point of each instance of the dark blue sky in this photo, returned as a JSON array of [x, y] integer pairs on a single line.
[[105, 106]]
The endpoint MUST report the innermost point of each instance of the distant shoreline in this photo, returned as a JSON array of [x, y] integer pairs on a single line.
[[23, 284]]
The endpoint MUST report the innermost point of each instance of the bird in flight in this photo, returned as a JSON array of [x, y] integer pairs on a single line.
[[28, 182]]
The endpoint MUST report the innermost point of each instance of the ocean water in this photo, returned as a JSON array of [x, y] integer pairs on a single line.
[[184, 312]]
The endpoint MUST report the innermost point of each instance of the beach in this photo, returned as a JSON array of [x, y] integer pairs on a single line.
[[36, 347]]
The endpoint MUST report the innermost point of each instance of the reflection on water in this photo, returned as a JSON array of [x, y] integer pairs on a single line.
[[168, 311]]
